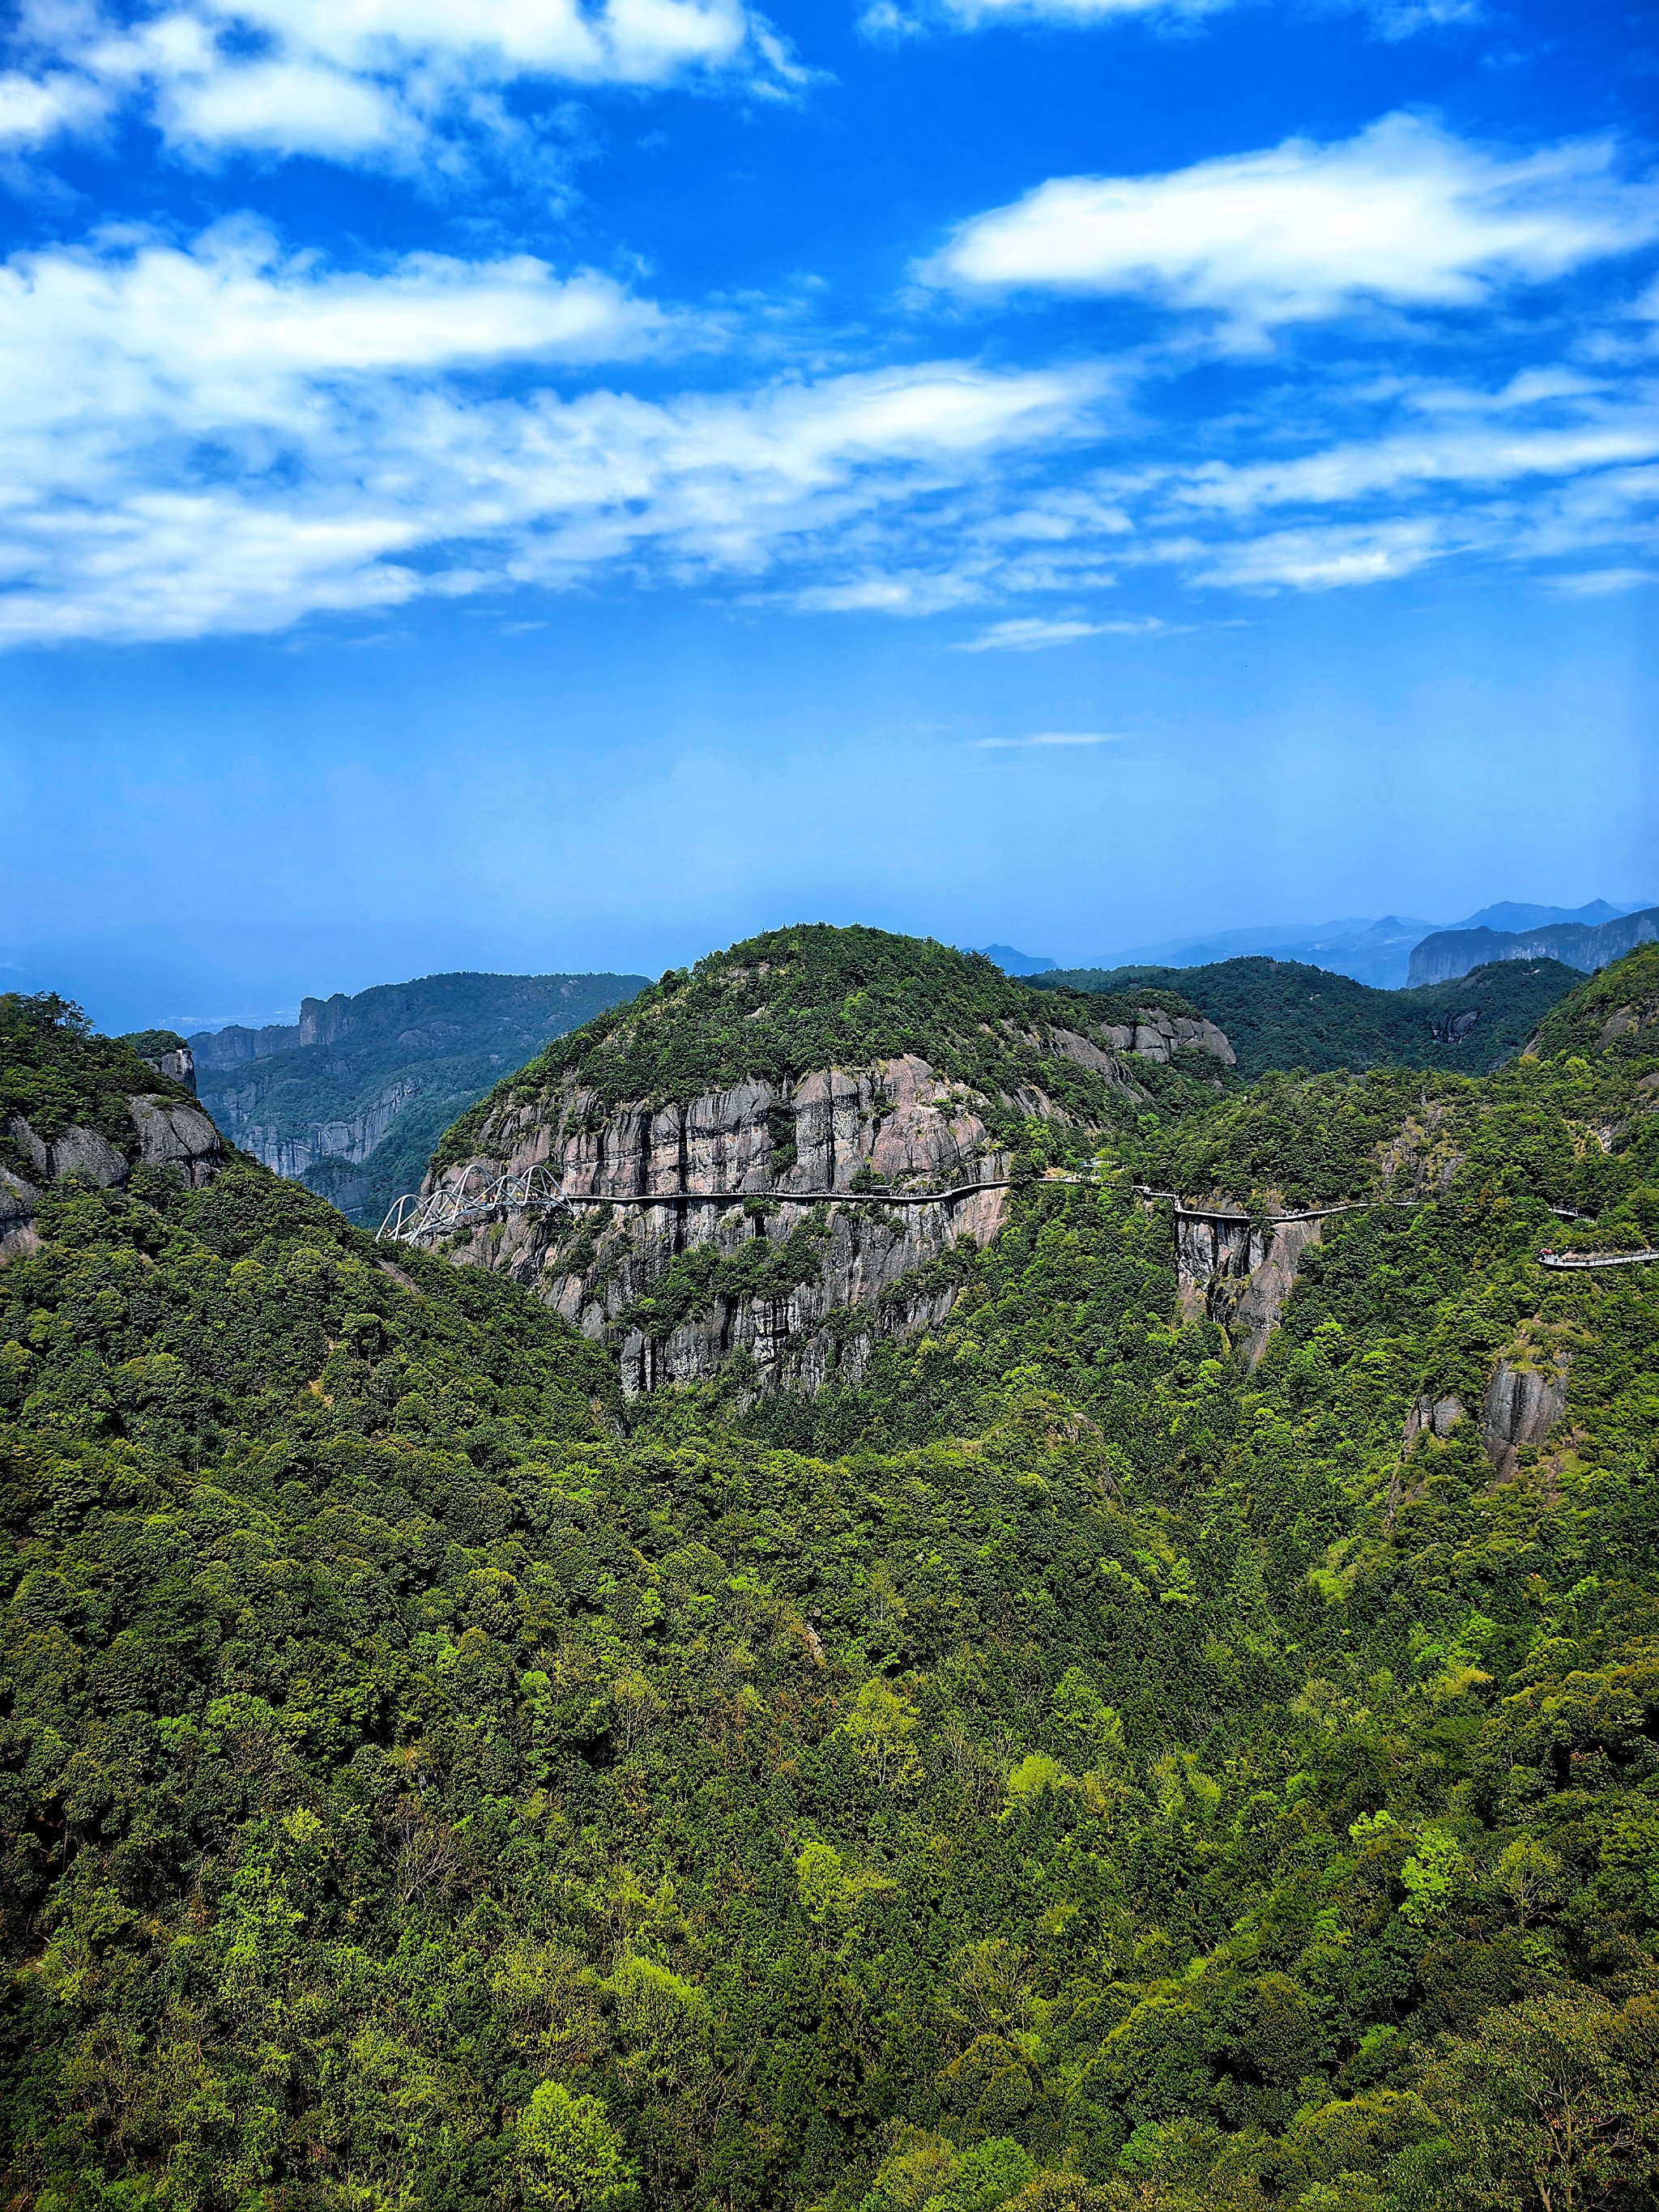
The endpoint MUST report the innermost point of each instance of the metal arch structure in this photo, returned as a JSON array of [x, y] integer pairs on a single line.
[[417, 1217]]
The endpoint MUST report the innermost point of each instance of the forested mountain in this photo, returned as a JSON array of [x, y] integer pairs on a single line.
[[738, 1118], [1281, 1013], [1065, 1767], [352, 1098]]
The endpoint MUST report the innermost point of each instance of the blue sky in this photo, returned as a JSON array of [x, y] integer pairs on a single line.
[[524, 486]]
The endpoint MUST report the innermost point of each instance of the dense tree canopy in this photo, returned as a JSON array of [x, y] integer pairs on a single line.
[[1067, 1771]]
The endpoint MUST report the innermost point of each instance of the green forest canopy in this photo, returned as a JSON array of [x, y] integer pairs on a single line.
[[1065, 1771], [1285, 1014]]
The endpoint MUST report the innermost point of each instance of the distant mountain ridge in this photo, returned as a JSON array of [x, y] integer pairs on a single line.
[[1583, 946], [1375, 952], [1015, 963], [350, 1099], [1286, 1014]]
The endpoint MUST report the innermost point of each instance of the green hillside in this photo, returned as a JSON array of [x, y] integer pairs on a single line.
[[1615, 1012], [1280, 1013], [1065, 1773], [781, 1005]]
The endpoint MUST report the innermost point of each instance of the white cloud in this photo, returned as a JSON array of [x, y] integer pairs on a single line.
[[894, 19], [374, 81], [1027, 634], [224, 439], [1052, 738], [1601, 583], [1342, 474], [34, 109], [285, 108], [1320, 557], [1403, 214], [1033, 633]]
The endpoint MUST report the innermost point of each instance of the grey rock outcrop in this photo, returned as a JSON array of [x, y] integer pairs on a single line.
[[173, 1136], [1158, 1036], [18, 1203], [804, 1278], [1524, 1404], [178, 1065], [1431, 1416], [166, 1132], [1238, 1270]]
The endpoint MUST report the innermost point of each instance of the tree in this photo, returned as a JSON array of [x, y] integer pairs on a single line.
[[570, 2158], [880, 1728]]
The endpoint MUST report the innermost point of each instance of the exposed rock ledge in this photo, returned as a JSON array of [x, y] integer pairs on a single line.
[[1239, 1270], [166, 1132], [898, 1120]]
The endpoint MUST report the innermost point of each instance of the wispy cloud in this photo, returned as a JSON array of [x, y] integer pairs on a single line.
[[1052, 738], [1034, 634], [225, 438], [895, 19], [1598, 583]]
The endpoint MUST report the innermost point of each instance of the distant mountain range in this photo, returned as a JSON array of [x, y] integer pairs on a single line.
[[1580, 945], [351, 1098], [1378, 952]]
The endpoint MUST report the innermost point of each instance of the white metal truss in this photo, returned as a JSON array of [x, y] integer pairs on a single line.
[[418, 1217]]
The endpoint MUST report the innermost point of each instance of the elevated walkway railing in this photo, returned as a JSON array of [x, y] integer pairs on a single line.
[[419, 1217], [1573, 1260]]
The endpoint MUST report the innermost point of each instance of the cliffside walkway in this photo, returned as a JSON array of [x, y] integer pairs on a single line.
[[1238, 1213], [415, 1218], [418, 1219], [1573, 1260]]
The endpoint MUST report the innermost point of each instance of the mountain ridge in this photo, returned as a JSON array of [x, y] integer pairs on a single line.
[[805, 1060], [1450, 953], [1283, 1014]]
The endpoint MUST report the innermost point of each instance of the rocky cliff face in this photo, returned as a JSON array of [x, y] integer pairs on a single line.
[[761, 1239], [166, 1133], [351, 1097], [1239, 1271], [1452, 952], [350, 1137]]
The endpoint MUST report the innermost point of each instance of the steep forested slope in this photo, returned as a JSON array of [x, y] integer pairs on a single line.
[[1283, 1014], [1068, 1770]]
